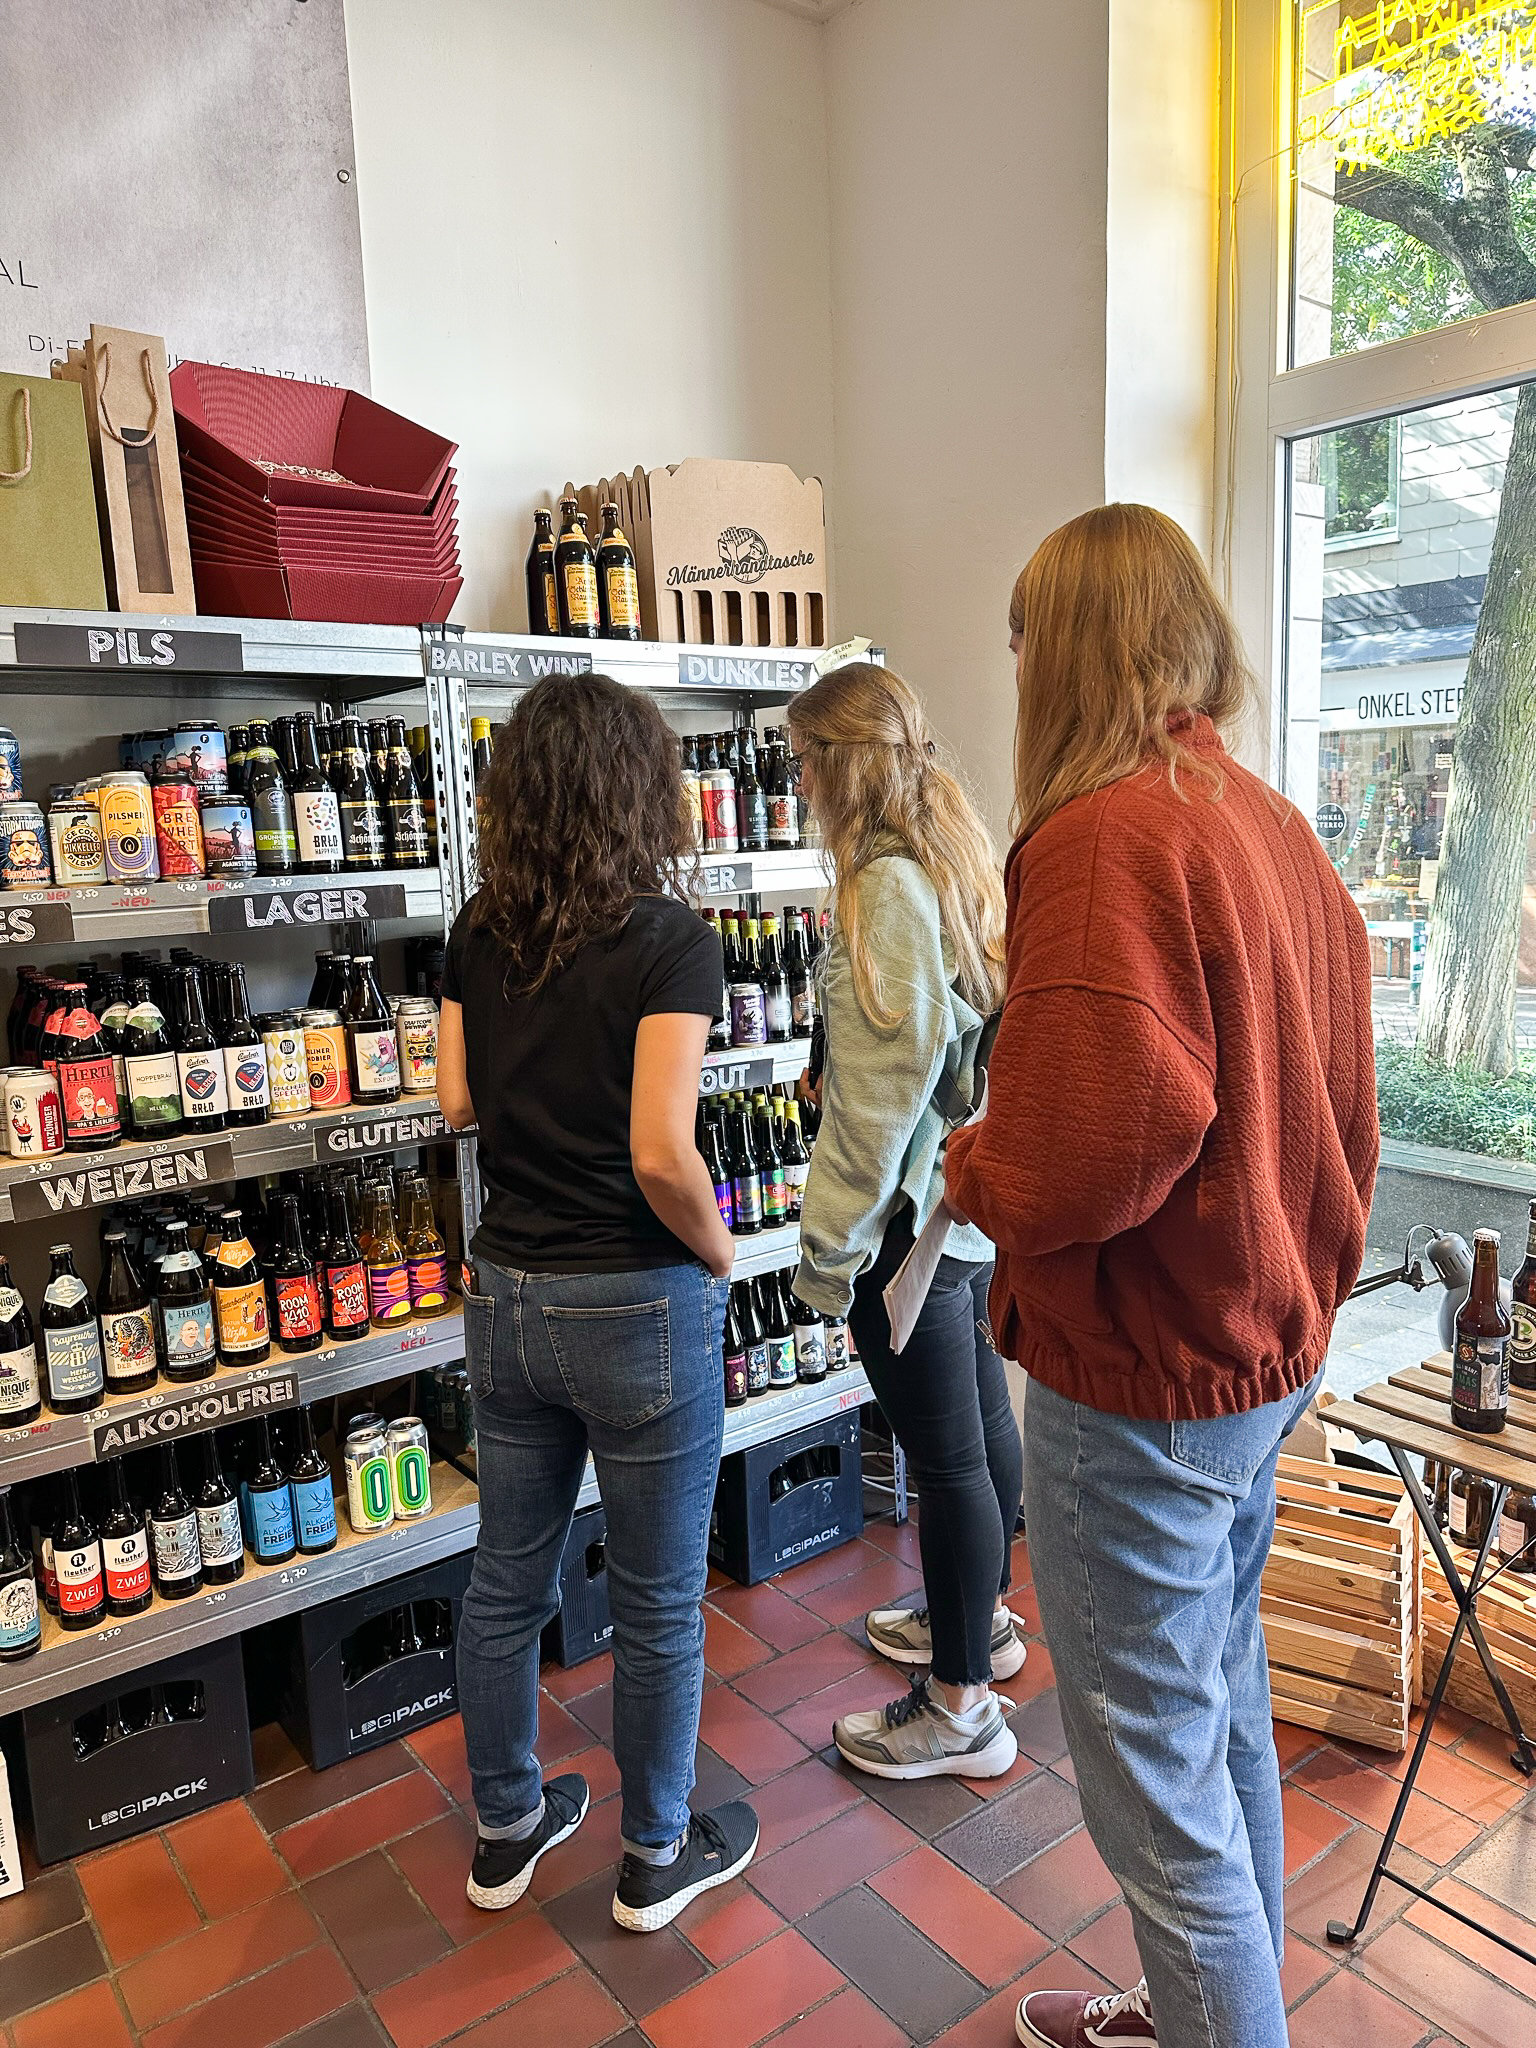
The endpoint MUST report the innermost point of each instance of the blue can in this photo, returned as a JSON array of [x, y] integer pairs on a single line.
[[10, 766], [24, 861], [199, 754], [229, 835]]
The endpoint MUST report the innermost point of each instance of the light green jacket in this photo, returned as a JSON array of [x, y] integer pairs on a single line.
[[881, 1139]]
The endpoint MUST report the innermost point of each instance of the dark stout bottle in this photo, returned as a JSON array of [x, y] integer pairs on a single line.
[[575, 576], [364, 843], [734, 1348], [316, 813], [77, 1561], [21, 1398], [1480, 1367], [71, 1337], [1522, 1339], [21, 1626], [220, 1538], [618, 589], [543, 604], [271, 805], [127, 1321], [174, 1551], [405, 815], [246, 1077], [296, 1287]]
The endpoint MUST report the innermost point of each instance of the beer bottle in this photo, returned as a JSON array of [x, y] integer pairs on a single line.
[[239, 1297], [693, 802], [246, 1079], [783, 812], [378, 754], [1522, 1339], [339, 989], [751, 798], [797, 1161], [127, 1321], [405, 817], [1517, 1532], [296, 1287], [320, 987], [717, 797], [734, 1349], [344, 1274], [364, 843], [316, 813], [314, 1500], [1437, 1489], [426, 789], [777, 997], [77, 1560], [426, 1256], [71, 1337], [21, 1003], [113, 1013], [770, 1170], [220, 1539], [780, 1327], [712, 1144], [480, 747], [373, 1051], [746, 1182], [389, 1290], [271, 805], [87, 1079], [575, 576], [21, 1626], [51, 1040], [754, 1335], [270, 1503], [618, 589], [152, 1087], [543, 604], [20, 1394], [810, 1341], [1480, 1365], [239, 752], [184, 1309], [199, 1056], [1471, 1505], [124, 1548], [837, 1343], [797, 965]]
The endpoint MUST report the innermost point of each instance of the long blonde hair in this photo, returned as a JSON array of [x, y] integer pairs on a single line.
[[1121, 630], [867, 740]]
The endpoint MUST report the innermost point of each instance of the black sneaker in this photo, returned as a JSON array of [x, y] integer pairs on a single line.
[[719, 1847], [503, 1870]]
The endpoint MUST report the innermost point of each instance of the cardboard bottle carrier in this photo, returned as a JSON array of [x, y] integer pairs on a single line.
[[727, 554]]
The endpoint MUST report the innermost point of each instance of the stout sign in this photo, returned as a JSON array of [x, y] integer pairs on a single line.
[[726, 1075], [267, 910], [22, 924], [208, 1407], [382, 1133], [485, 662], [203, 654], [123, 1180]]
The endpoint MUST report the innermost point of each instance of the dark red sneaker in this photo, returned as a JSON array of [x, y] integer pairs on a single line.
[[1071, 2019]]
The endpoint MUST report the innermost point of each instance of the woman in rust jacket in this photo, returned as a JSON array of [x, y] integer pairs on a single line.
[[1176, 1169]]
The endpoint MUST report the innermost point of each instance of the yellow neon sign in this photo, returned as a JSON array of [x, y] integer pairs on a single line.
[[1403, 74]]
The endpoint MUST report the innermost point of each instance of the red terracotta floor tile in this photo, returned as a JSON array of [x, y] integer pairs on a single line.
[[725, 1924], [748, 2000], [597, 1766], [1429, 1979], [300, 1793], [980, 1933], [1062, 1888], [1464, 1786], [769, 1614], [1310, 1828], [1333, 1887], [363, 1823], [1347, 2009], [1108, 1946], [472, 1982], [1429, 1829], [839, 1563], [1292, 1744], [592, 1713], [806, 1670], [991, 2025], [227, 1953], [1022, 1570], [847, 2020], [569, 1685], [810, 1720], [90, 2018], [266, 2009], [749, 1740], [802, 1799], [572, 2012], [896, 1539], [559, 1734], [729, 1649], [847, 1850], [440, 1747], [884, 1583], [1476, 1948], [1037, 1676], [226, 1859], [383, 1930], [435, 1863], [137, 1897], [1303, 1970]]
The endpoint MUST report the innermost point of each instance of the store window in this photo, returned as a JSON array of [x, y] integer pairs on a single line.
[[1415, 196], [1360, 484]]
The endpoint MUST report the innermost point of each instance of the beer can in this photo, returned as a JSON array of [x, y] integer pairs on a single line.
[[325, 1051], [410, 1468], [128, 827], [416, 1029], [287, 1063], [74, 831], [24, 862], [199, 754], [178, 829], [10, 766], [229, 834], [34, 1115], [370, 1496], [749, 1014]]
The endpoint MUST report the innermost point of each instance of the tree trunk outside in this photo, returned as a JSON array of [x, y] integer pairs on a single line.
[[1467, 1004]]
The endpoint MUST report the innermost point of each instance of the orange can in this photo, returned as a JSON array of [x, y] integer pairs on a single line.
[[325, 1048]]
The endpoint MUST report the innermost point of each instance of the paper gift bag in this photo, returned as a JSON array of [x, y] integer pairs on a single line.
[[127, 389], [50, 549]]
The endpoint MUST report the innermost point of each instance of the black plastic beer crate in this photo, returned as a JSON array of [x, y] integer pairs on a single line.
[[583, 1626], [137, 1752], [779, 1503], [373, 1665]]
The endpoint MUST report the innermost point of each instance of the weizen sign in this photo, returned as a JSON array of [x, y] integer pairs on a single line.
[[208, 1408], [122, 1180]]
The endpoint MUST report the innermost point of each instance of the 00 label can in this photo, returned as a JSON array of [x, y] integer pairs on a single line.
[[410, 1468], [370, 1495]]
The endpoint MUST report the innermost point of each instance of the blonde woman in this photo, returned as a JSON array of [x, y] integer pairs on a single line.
[[913, 971], [1176, 1166]]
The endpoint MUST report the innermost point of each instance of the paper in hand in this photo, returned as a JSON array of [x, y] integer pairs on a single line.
[[907, 1289]]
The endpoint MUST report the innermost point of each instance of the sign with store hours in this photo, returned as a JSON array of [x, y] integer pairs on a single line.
[[483, 661], [383, 1133], [146, 646], [208, 1407], [26, 924], [272, 910], [122, 1179], [725, 1076]]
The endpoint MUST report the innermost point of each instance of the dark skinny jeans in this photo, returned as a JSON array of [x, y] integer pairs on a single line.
[[946, 1400]]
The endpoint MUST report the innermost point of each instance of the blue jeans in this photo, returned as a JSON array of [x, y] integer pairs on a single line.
[[1148, 1541], [628, 1366]]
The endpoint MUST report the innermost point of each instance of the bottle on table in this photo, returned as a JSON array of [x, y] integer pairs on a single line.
[[1480, 1362], [296, 1286], [373, 1050], [21, 1399], [151, 1083], [267, 793], [21, 1625], [220, 1538], [270, 1502], [344, 1274], [810, 1341], [734, 1350], [1471, 1507], [543, 602], [1522, 1336], [77, 1568], [124, 1547], [316, 813], [239, 1297], [200, 1070], [314, 1500], [126, 1312], [184, 1318], [405, 815], [618, 588], [76, 1374], [575, 576]]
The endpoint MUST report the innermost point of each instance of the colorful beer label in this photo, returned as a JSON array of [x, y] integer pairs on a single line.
[[348, 1290], [88, 1092], [623, 597], [20, 1622], [219, 1535], [581, 593], [187, 1328], [125, 1563], [376, 1051], [75, 1369], [81, 1588], [389, 1293], [317, 827], [18, 1369], [427, 1281], [314, 1507], [204, 1090], [325, 1048], [128, 832], [271, 1522], [128, 1343], [178, 829], [245, 1077], [241, 1316], [298, 1307]]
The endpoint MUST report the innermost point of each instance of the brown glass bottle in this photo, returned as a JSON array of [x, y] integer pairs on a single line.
[[1517, 1532], [1522, 1341], [618, 588], [1480, 1367], [1471, 1506], [575, 576], [543, 605]]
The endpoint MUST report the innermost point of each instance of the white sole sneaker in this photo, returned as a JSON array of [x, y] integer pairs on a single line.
[[998, 1756], [651, 1919], [496, 1898], [1006, 1662]]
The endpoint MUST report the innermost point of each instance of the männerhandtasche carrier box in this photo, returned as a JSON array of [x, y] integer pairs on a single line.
[[50, 547]]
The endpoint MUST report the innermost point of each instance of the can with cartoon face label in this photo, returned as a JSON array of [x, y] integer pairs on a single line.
[[74, 830], [24, 862], [10, 766]]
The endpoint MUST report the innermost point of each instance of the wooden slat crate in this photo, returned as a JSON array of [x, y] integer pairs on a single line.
[[1341, 1603], [1507, 1611]]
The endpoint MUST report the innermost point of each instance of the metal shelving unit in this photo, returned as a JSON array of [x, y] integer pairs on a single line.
[[121, 914]]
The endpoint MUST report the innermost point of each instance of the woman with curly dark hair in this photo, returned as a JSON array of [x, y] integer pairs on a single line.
[[577, 997]]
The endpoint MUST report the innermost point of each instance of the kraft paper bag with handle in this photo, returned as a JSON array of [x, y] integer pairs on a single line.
[[50, 549], [907, 1289]]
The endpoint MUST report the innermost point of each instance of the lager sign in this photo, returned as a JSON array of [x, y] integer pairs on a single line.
[[209, 1407], [123, 1180], [264, 910]]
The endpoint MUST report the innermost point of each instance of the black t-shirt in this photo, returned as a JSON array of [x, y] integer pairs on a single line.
[[551, 1076]]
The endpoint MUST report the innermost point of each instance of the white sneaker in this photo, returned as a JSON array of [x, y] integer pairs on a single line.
[[917, 1738], [903, 1635]]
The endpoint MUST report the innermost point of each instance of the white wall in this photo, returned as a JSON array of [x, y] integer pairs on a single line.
[[968, 151], [592, 237]]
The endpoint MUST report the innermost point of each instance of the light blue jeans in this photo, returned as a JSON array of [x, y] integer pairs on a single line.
[[628, 1365], [1148, 1541]]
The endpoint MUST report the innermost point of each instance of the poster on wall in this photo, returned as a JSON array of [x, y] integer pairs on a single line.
[[181, 169]]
